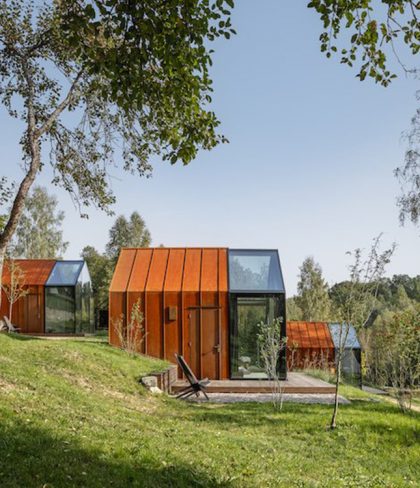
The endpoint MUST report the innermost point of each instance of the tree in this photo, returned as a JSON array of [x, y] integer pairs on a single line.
[[376, 32], [136, 75], [15, 288], [293, 311], [312, 298], [357, 301], [127, 233], [271, 344], [39, 234], [100, 269]]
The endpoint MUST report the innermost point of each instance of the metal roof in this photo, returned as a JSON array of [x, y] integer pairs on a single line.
[[311, 335], [36, 271], [170, 269], [351, 343]]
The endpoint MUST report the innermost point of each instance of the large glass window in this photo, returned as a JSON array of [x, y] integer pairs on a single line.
[[248, 312], [65, 273], [60, 309], [255, 271]]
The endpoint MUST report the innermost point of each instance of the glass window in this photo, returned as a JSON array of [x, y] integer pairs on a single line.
[[59, 309], [246, 361], [65, 273], [255, 271], [84, 308]]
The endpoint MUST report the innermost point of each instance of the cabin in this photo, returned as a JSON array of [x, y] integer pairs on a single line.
[[57, 297], [315, 345], [203, 303], [309, 345]]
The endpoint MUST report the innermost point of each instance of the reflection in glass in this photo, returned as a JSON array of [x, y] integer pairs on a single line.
[[59, 309], [255, 271], [246, 362]]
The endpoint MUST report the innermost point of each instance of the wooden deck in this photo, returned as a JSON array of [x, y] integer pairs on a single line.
[[296, 383]]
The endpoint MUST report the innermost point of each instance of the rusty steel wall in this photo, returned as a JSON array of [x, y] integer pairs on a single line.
[[190, 281]]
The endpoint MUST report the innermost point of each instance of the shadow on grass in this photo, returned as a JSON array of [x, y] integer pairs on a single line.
[[32, 457], [360, 415], [19, 337]]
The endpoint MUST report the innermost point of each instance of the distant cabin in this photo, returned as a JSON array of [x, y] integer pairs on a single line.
[[58, 298]]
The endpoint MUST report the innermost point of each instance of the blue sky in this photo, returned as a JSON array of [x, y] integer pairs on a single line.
[[309, 167]]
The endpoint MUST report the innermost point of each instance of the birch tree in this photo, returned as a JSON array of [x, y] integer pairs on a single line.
[[355, 301]]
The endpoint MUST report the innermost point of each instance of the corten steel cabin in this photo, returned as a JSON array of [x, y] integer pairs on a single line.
[[203, 303], [59, 298], [309, 345]]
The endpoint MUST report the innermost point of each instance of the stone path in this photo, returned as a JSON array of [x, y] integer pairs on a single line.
[[325, 399]]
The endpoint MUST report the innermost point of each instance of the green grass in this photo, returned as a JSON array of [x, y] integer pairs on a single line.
[[72, 414]]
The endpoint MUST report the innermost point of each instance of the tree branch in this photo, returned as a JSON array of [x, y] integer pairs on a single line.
[[60, 107]]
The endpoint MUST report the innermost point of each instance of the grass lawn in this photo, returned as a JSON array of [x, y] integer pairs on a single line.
[[73, 415]]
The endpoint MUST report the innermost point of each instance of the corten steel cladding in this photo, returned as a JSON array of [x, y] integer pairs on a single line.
[[28, 311], [309, 344], [183, 294]]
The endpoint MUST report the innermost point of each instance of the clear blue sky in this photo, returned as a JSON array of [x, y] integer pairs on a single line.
[[309, 167]]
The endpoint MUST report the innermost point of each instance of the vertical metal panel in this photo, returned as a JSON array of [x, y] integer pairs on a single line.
[[175, 270], [123, 270], [117, 313], [192, 267], [156, 276], [154, 323]]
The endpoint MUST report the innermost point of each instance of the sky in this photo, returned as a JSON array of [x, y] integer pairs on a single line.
[[308, 169]]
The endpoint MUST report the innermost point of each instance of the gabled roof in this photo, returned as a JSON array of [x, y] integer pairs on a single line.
[[171, 269], [36, 271], [351, 343], [311, 335]]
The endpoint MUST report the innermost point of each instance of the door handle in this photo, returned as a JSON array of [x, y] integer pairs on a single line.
[[217, 347]]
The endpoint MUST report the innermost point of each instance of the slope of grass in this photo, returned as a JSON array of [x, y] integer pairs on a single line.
[[72, 414]]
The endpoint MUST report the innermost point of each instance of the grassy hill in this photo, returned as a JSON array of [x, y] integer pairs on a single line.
[[72, 414]]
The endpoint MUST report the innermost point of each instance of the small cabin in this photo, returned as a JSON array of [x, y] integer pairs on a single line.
[[203, 303], [57, 297]]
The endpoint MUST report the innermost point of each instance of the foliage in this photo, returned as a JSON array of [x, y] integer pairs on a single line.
[[39, 234], [354, 307], [271, 344], [375, 30], [14, 288], [312, 298], [293, 311], [131, 335], [399, 364], [135, 76], [409, 173], [127, 233], [100, 269], [72, 412]]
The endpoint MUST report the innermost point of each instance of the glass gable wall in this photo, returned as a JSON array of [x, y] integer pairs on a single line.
[[68, 299], [256, 295]]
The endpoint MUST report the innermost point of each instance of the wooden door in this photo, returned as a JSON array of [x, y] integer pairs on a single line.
[[193, 344], [33, 319], [210, 343], [203, 344]]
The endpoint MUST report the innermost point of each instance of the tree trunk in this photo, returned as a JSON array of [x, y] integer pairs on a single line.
[[10, 311], [333, 424]]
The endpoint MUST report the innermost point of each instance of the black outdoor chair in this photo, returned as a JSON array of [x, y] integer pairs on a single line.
[[195, 385]]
